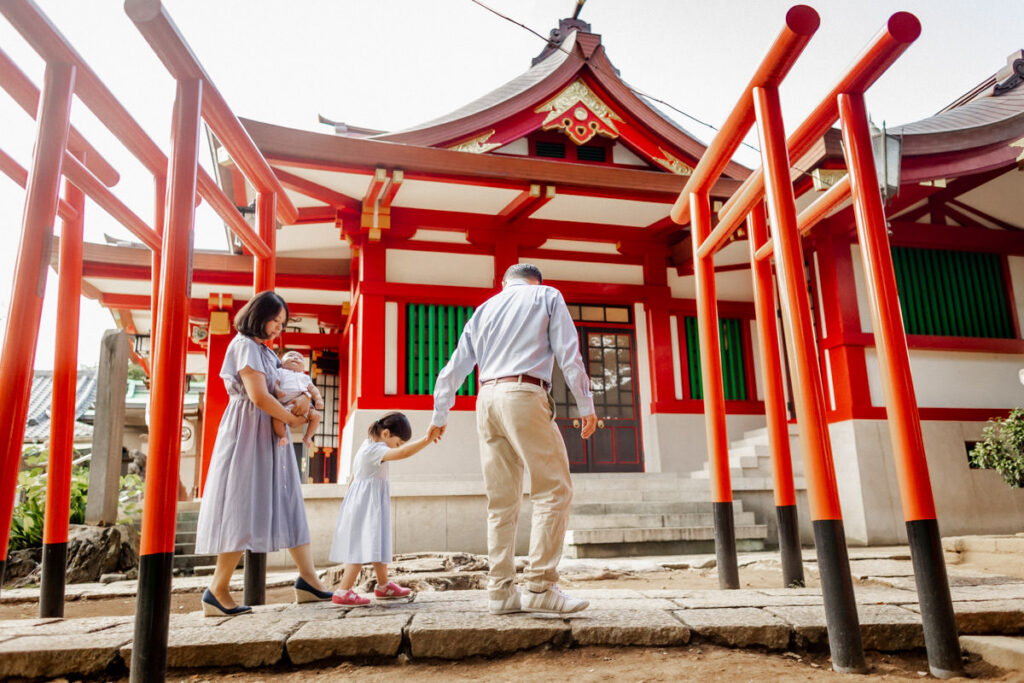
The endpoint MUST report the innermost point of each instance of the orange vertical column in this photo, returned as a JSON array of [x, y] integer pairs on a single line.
[[216, 392], [62, 421], [827, 520], [26, 306], [937, 615], [714, 396], [156, 548], [775, 404]]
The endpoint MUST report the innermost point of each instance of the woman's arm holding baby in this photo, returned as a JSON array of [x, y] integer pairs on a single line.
[[256, 387]]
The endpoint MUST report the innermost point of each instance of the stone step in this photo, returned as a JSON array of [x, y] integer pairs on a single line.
[[187, 517], [694, 490], [620, 521], [187, 548], [644, 482], [184, 536], [189, 562], [647, 508], [659, 534], [1006, 652], [658, 541]]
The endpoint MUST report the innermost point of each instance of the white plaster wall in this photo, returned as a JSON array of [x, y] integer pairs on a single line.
[[860, 284], [438, 268], [577, 245], [756, 354], [582, 271], [648, 436], [731, 285], [390, 347], [967, 501], [956, 379]]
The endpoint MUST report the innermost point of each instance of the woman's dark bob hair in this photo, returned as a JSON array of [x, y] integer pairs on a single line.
[[251, 320]]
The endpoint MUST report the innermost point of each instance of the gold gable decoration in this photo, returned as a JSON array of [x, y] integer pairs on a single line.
[[477, 145], [579, 113], [673, 163]]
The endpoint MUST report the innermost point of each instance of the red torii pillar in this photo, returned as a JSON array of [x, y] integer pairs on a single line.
[[26, 306], [156, 550], [62, 423]]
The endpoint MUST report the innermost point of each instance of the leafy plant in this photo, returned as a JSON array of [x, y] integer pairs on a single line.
[[1002, 448], [130, 498]]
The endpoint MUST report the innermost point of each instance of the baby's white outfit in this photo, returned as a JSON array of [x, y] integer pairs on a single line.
[[293, 384]]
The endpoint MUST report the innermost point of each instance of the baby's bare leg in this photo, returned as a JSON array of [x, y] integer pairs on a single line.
[[314, 422]]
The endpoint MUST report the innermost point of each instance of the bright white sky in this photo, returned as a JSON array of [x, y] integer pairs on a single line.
[[389, 64]]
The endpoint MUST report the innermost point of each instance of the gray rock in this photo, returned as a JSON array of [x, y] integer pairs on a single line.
[[58, 655], [371, 636], [711, 599], [652, 628], [988, 616], [459, 635], [94, 551], [247, 641], [111, 578], [882, 627], [21, 563], [737, 627]]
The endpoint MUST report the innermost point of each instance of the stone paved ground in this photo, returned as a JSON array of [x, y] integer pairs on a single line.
[[456, 625]]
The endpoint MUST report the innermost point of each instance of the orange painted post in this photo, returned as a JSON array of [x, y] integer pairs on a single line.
[[216, 393], [714, 397], [775, 405], [937, 616], [156, 551], [159, 218], [62, 421], [827, 519], [26, 304]]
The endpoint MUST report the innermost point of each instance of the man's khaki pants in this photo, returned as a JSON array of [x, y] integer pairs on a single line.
[[515, 423]]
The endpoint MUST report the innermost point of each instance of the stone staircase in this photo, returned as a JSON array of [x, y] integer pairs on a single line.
[[750, 462], [625, 514], [186, 562]]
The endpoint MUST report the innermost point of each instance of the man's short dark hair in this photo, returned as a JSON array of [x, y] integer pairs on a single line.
[[523, 271], [251, 320]]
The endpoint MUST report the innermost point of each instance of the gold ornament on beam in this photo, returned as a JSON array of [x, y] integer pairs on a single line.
[[477, 145], [673, 163], [579, 113]]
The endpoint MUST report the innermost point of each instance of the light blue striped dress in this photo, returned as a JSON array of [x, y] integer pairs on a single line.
[[253, 498], [363, 532]]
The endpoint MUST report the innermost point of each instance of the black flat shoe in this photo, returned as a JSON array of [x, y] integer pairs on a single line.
[[213, 608], [306, 593]]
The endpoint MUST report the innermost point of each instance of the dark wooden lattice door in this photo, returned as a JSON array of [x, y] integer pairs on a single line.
[[610, 357]]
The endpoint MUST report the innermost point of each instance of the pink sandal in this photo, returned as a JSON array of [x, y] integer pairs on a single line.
[[349, 597], [391, 591]]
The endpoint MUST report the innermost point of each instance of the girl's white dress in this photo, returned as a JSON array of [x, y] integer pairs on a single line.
[[363, 532]]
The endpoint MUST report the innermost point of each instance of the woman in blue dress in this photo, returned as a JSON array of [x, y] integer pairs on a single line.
[[252, 499]]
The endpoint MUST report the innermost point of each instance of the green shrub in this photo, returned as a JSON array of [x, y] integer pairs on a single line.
[[29, 511], [1002, 448]]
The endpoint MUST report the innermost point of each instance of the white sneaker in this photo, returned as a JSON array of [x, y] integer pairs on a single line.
[[552, 600], [507, 606]]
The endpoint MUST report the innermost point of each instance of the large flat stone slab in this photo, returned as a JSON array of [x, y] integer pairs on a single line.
[[882, 627], [737, 627], [457, 635], [1002, 651], [452, 596], [651, 628], [247, 641], [367, 637], [637, 603], [711, 599], [981, 617], [59, 655]]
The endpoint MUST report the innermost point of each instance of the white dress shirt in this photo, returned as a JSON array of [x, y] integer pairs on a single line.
[[521, 330]]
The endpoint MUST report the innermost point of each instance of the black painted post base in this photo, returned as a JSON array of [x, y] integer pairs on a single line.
[[789, 546], [725, 546], [940, 633], [837, 590], [51, 588], [152, 618], [255, 591]]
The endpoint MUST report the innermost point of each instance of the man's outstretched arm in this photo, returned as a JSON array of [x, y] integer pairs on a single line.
[[451, 378]]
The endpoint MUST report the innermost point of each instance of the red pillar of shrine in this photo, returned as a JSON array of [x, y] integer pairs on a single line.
[[216, 393]]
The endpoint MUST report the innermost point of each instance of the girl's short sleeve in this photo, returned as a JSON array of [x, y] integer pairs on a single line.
[[376, 452], [243, 352]]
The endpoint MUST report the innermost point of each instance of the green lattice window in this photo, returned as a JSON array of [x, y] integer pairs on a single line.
[[952, 293], [733, 368], [431, 334]]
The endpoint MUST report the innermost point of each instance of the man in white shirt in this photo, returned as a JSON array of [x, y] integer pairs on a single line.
[[515, 337]]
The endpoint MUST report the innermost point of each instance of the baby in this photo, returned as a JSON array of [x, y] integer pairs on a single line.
[[293, 383]]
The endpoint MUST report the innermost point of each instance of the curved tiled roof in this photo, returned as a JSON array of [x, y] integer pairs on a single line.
[[37, 422]]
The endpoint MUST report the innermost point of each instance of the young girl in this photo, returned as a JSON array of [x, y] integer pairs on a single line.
[[363, 533]]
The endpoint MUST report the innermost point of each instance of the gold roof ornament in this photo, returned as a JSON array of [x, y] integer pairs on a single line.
[[579, 113]]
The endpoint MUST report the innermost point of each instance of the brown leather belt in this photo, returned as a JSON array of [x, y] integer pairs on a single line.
[[527, 379]]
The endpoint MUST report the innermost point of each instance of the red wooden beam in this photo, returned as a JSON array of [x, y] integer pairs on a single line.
[[801, 23], [26, 94], [337, 200], [13, 170], [159, 30]]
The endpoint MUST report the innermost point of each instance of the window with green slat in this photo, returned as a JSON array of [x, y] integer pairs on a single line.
[[952, 293], [431, 335], [734, 376]]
